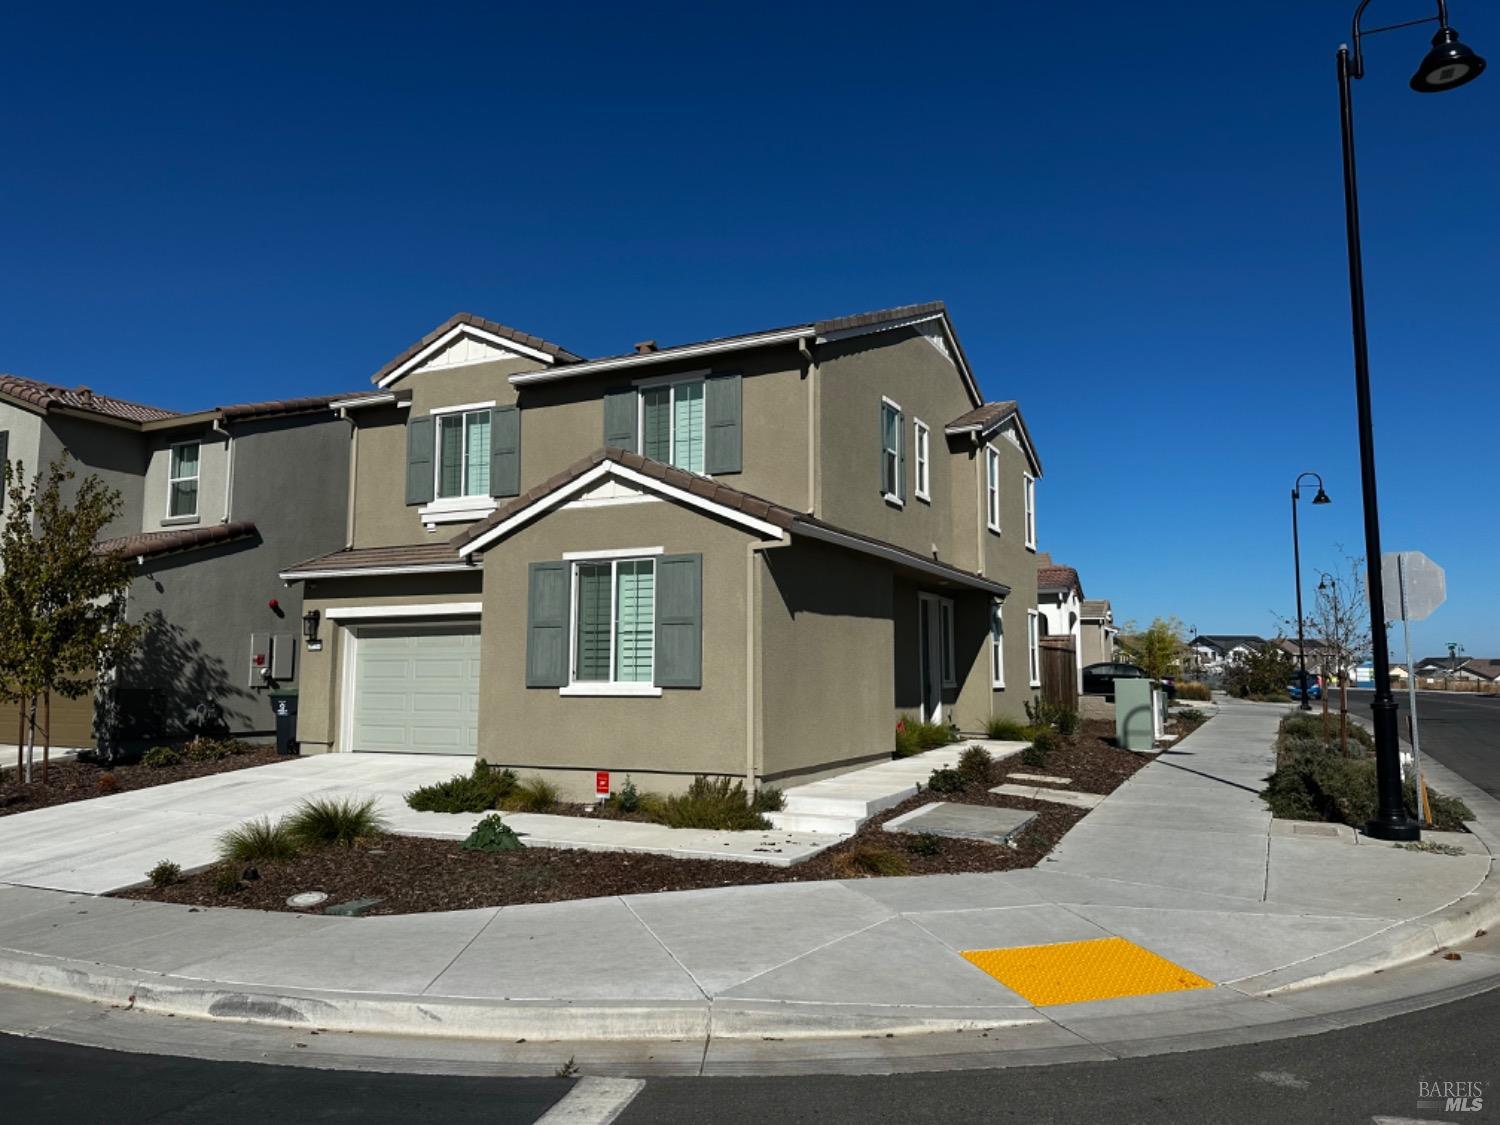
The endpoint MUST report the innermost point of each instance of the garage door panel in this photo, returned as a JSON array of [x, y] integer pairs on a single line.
[[416, 690]]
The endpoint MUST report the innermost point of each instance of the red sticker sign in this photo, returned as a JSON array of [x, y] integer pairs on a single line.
[[601, 783]]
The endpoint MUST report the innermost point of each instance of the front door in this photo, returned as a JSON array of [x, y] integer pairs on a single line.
[[929, 652]]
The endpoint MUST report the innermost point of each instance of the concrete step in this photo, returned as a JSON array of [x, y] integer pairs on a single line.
[[811, 822]]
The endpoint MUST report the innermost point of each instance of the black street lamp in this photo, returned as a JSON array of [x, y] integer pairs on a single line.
[[1447, 66], [1320, 498]]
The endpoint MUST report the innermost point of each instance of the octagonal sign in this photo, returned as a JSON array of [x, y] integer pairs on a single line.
[[1426, 584]]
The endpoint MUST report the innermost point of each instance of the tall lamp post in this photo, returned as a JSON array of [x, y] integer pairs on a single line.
[[1447, 66], [1320, 498]]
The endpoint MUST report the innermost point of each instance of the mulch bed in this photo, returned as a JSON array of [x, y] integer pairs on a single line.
[[74, 780], [414, 875]]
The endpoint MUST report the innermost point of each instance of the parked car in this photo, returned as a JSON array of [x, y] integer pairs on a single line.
[[1099, 679], [1314, 688]]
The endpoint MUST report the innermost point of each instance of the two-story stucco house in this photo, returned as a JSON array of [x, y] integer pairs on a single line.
[[741, 557], [213, 504]]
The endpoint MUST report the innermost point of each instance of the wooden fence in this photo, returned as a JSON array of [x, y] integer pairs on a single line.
[[1059, 672]]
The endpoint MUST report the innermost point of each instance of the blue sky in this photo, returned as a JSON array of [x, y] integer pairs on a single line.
[[1133, 211]]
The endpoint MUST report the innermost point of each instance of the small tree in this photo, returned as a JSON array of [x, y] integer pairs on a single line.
[[1158, 650], [1266, 670], [62, 601]]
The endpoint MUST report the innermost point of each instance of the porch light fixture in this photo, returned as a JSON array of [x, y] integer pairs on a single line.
[[310, 621]]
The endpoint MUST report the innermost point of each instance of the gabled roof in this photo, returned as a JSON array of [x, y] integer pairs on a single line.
[[1094, 609], [766, 518], [1226, 641], [836, 328], [554, 353], [150, 544], [359, 562], [984, 421], [1053, 578], [49, 396]]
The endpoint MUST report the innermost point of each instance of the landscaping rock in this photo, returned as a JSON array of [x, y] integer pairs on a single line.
[[966, 822], [307, 900]]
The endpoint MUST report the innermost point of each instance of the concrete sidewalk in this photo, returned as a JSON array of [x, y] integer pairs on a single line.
[[1183, 860]]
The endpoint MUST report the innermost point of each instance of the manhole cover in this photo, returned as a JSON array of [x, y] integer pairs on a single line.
[[307, 900]]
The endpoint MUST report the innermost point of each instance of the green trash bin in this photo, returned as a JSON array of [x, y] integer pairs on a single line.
[[284, 707]]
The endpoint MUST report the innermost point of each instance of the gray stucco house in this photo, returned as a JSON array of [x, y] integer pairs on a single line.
[[214, 504], [741, 557]]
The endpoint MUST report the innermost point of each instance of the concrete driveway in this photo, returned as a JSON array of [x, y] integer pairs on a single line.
[[106, 843]]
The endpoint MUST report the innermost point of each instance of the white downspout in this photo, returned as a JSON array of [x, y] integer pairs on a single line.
[[353, 466], [219, 427], [814, 504]]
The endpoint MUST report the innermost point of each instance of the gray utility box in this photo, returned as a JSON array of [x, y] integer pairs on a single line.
[[1135, 725]]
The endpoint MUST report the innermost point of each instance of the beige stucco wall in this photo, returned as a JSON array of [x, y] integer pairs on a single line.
[[684, 731], [1093, 644], [318, 700], [826, 648], [213, 466], [853, 375], [25, 429], [1007, 559]]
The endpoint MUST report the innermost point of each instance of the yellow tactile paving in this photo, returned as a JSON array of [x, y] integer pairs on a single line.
[[1068, 972]]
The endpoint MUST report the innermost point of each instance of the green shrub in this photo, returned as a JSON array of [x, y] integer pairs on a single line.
[[1005, 730], [626, 799], [768, 798], [1194, 692], [478, 791], [258, 840], [1043, 744], [946, 780], [160, 757], [1314, 782], [975, 765], [1191, 714], [863, 862], [204, 749], [1044, 713], [924, 843], [493, 835], [708, 803], [164, 874], [914, 736], [226, 879], [535, 795], [326, 820]]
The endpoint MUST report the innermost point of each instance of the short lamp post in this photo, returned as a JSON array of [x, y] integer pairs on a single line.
[[1320, 498], [1448, 65]]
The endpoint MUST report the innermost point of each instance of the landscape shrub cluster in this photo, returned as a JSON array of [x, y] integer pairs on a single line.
[[320, 823], [1194, 691], [914, 736], [200, 749]]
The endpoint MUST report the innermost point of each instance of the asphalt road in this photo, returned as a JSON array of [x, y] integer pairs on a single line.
[[1461, 731], [1354, 1075]]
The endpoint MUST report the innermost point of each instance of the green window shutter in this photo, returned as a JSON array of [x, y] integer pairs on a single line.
[[724, 452], [900, 456], [679, 621], [547, 625], [620, 418], [419, 461], [505, 451]]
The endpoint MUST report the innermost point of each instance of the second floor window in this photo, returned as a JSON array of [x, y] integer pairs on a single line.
[[1030, 511], [891, 484], [992, 487], [182, 481], [672, 424], [463, 467], [921, 447]]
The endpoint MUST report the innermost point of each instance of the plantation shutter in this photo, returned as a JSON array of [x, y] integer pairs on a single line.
[[505, 451], [679, 621], [620, 418], [419, 442], [547, 625], [723, 453]]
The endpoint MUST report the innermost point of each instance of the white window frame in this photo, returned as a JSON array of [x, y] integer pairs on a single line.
[[1034, 646], [992, 488], [892, 498], [610, 687], [672, 382], [463, 501], [997, 643], [947, 654], [196, 478], [1030, 496], [922, 456]]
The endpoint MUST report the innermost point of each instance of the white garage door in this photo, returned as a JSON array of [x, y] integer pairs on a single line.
[[416, 690]]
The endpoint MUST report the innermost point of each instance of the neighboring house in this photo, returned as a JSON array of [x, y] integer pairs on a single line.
[[741, 557], [1097, 630], [214, 503], [1436, 668], [1321, 657], [1216, 652], [1060, 601]]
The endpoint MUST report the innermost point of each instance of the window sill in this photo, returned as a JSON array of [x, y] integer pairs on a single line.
[[627, 691], [175, 521], [926, 499], [894, 501], [992, 529], [457, 510]]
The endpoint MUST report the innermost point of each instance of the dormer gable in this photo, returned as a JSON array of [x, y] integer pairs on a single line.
[[465, 339]]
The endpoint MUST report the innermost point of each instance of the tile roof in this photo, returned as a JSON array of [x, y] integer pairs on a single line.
[[1094, 608], [151, 543], [307, 404], [714, 491], [1226, 641], [48, 395], [493, 327], [375, 559], [983, 417], [1058, 578]]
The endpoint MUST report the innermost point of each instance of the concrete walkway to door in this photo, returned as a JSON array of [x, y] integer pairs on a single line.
[[105, 843]]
